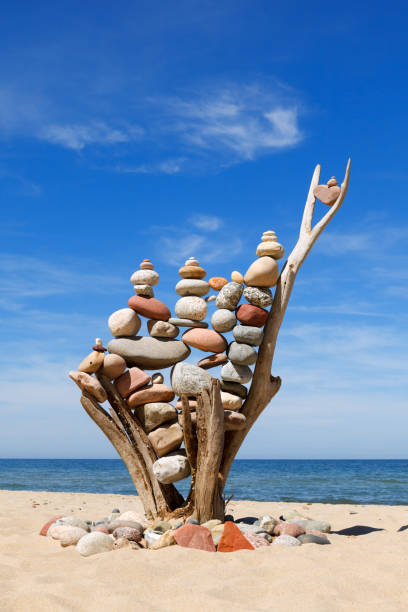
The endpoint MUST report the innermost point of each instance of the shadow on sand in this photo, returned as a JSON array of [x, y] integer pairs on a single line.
[[357, 530]]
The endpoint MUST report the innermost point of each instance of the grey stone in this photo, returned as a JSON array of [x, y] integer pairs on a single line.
[[116, 510], [94, 543], [188, 379], [242, 354], [187, 322], [171, 469], [309, 525], [192, 286], [191, 307], [162, 329], [146, 290], [154, 414], [286, 540], [149, 353], [229, 296], [223, 320], [236, 373], [235, 388], [310, 538], [248, 334], [258, 296]]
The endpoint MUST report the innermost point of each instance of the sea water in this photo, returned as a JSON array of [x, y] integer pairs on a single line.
[[326, 481]]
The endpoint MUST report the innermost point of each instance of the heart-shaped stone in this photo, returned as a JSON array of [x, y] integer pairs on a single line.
[[327, 195]]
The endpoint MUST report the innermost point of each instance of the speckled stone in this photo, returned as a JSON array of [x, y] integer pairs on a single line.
[[146, 290], [286, 540], [130, 533], [258, 296], [188, 379], [191, 307], [229, 296]]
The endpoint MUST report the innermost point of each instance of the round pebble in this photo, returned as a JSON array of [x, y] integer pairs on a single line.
[[124, 322], [191, 307], [223, 320]]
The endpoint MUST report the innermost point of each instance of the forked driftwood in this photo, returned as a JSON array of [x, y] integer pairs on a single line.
[[209, 449]]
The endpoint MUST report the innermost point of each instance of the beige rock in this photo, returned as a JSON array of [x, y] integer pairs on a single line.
[[237, 277], [135, 517], [162, 329], [71, 536], [192, 272], [146, 265], [223, 320], [125, 543], [191, 307], [192, 286], [145, 277], [154, 414], [270, 249], [89, 383], [166, 439], [167, 539], [211, 524], [92, 362], [230, 401], [113, 366], [191, 261], [263, 272], [58, 531], [145, 290], [124, 322]]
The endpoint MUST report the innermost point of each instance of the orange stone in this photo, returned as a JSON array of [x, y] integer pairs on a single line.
[[131, 380], [194, 536], [151, 393], [217, 282], [205, 339], [232, 539], [45, 528], [192, 272], [149, 307]]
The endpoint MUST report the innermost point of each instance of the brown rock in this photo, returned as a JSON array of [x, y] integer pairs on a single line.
[[113, 366], [150, 394], [234, 421], [192, 272], [194, 536], [263, 272], [149, 307], [166, 439], [205, 340], [288, 528], [252, 315], [89, 383], [217, 282], [130, 533], [131, 380], [212, 361], [232, 539], [91, 363], [327, 195], [44, 529]]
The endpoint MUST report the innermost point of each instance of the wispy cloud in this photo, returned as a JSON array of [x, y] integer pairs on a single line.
[[206, 222], [77, 136], [168, 166]]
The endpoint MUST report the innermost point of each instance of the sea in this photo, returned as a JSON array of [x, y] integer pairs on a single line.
[[356, 481]]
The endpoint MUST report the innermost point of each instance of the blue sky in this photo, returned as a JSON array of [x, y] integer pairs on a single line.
[[164, 130]]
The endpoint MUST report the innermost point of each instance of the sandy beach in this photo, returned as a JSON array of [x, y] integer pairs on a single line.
[[365, 568]]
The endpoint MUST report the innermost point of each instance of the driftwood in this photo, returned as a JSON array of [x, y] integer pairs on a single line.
[[210, 450]]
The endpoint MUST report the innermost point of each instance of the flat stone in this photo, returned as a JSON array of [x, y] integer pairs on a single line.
[[91, 363], [187, 323], [287, 528], [151, 308], [89, 383], [242, 354], [286, 540], [151, 394], [171, 469], [44, 529], [167, 539], [124, 322], [212, 361], [162, 329], [131, 380], [257, 541], [130, 533], [154, 414], [232, 539], [113, 366], [94, 543], [234, 421], [166, 438], [145, 277], [263, 272], [149, 353], [217, 282], [237, 277], [310, 538], [270, 249], [258, 296], [194, 536], [230, 401], [248, 334], [252, 315], [234, 388], [309, 525], [192, 272], [191, 307], [223, 320], [145, 290], [188, 379], [192, 286], [229, 296], [71, 536], [236, 373], [205, 339]]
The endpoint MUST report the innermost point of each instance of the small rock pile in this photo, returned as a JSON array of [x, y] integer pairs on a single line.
[[131, 530]]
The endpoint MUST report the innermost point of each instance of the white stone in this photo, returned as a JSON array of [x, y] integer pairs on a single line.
[[94, 543], [236, 373], [145, 277], [191, 307], [223, 320], [171, 469], [124, 322], [192, 286], [188, 379], [286, 540], [146, 290]]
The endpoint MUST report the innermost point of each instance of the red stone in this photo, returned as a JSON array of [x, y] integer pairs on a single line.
[[212, 361], [149, 307], [99, 349], [288, 528], [232, 539], [194, 536], [205, 340], [131, 380], [44, 529], [248, 314], [151, 393]]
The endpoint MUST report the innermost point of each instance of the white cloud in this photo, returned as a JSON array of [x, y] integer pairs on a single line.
[[168, 166], [206, 222], [77, 136]]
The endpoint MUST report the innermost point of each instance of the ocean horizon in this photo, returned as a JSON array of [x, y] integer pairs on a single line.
[[334, 481]]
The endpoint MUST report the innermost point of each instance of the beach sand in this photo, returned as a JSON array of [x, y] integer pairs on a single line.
[[365, 567]]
